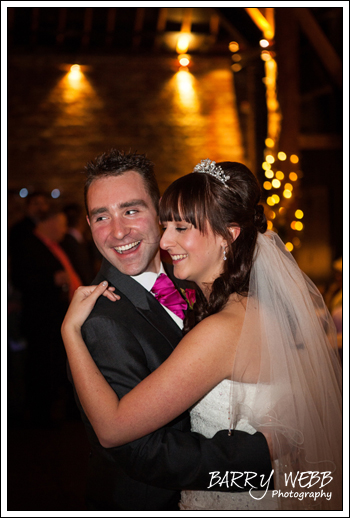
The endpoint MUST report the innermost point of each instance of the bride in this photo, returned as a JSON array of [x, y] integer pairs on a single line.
[[258, 347]]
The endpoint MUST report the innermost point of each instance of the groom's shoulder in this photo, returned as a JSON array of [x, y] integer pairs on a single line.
[[107, 309]]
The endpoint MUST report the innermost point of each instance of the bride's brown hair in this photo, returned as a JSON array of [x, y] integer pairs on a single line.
[[202, 199]]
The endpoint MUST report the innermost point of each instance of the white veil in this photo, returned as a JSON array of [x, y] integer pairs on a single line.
[[288, 350]]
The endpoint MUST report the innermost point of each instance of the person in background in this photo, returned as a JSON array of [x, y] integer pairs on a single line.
[[37, 204], [75, 244], [46, 279]]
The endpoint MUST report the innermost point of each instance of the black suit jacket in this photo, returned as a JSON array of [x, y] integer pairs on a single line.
[[33, 274], [128, 340]]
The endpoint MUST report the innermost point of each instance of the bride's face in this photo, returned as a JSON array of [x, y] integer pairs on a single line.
[[196, 257]]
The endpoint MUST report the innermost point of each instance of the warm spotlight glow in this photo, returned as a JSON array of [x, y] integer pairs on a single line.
[[75, 100], [186, 92], [299, 214], [270, 159], [75, 73], [266, 165], [269, 174], [281, 156], [293, 177], [267, 186], [288, 187], [279, 175], [236, 67], [294, 159], [264, 43], [270, 201], [275, 198], [289, 246], [184, 60], [276, 183], [287, 193], [75, 77], [182, 43], [282, 210], [272, 214], [269, 142], [299, 226], [233, 46], [269, 225]]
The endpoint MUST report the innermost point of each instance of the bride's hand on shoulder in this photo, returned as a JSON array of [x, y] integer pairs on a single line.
[[82, 303]]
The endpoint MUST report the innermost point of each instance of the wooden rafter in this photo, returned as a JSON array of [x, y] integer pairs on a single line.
[[320, 42]]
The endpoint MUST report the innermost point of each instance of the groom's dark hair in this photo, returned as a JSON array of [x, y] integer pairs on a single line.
[[116, 163]]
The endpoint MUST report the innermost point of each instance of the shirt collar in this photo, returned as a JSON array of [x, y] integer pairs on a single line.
[[147, 279]]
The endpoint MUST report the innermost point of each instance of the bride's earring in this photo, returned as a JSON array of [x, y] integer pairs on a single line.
[[225, 254]]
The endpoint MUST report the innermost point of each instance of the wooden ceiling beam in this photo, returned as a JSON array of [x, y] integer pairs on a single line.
[[320, 43], [266, 25], [231, 30]]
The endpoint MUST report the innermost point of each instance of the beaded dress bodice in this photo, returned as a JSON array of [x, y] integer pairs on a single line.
[[208, 416]]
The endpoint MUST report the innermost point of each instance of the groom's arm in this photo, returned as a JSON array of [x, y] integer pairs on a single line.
[[173, 459]]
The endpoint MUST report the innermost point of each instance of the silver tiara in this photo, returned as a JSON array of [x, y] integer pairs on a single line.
[[210, 167]]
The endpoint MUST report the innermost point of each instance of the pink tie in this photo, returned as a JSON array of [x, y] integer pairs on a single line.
[[166, 293]]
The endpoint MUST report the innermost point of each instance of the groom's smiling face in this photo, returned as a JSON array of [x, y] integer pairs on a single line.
[[124, 223]]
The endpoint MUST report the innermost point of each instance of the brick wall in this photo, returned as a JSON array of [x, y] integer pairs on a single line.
[[137, 103]]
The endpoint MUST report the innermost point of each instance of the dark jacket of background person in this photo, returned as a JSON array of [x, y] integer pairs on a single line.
[[79, 249], [36, 205], [42, 282]]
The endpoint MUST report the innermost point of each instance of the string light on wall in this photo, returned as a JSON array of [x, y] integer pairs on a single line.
[[279, 166], [236, 58], [287, 215], [282, 179], [233, 46]]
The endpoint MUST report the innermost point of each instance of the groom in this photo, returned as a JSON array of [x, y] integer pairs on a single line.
[[131, 338]]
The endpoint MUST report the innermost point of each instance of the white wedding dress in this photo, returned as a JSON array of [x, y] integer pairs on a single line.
[[287, 344], [208, 416]]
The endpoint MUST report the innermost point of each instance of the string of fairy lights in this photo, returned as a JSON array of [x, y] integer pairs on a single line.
[[282, 184], [281, 188]]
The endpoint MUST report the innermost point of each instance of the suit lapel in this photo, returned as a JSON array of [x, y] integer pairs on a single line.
[[161, 320], [143, 302]]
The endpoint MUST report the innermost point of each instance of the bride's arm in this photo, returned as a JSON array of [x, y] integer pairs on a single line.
[[203, 358], [90, 384]]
